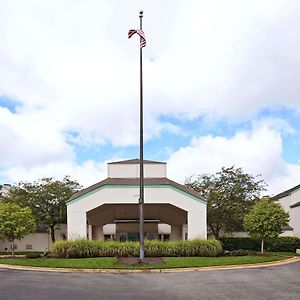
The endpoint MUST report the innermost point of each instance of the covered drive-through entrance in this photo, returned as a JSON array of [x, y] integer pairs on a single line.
[[109, 209], [120, 221]]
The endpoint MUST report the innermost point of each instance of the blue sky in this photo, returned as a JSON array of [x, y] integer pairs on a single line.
[[220, 88]]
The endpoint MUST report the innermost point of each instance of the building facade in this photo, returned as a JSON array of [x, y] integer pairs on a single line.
[[290, 201], [37, 241], [109, 209]]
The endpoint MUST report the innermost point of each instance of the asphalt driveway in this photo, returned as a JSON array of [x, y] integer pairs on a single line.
[[277, 282]]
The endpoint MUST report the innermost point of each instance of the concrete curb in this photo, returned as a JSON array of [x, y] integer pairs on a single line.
[[175, 270]]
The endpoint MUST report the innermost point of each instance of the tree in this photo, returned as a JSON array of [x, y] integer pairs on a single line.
[[47, 199], [230, 194], [265, 220], [15, 222]]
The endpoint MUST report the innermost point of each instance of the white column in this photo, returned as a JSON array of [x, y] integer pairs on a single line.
[[76, 221], [98, 233], [197, 227], [176, 232], [90, 232], [183, 231]]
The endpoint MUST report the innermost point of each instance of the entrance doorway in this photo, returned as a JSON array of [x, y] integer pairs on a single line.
[[133, 236]]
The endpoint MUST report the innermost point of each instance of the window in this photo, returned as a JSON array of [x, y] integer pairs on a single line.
[[150, 236], [133, 236], [28, 246]]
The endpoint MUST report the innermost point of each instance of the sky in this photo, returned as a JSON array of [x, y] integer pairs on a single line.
[[221, 88]]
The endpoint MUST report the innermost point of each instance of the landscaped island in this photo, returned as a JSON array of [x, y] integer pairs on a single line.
[[85, 254]]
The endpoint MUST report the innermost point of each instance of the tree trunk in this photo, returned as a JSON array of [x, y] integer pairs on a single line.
[[215, 231], [52, 233], [12, 244], [262, 246]]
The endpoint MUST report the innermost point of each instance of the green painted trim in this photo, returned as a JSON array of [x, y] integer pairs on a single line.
[[136, 186]]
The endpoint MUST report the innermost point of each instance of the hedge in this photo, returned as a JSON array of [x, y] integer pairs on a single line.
[[280, 244], [87, 248], [32, 255]]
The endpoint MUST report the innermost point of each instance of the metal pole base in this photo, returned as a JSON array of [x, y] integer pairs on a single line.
[[140, 261]]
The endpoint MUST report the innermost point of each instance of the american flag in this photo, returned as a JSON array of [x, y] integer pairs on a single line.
[[140, 33]]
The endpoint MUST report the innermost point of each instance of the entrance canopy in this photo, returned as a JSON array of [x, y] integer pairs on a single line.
[[125, 213], [115, 199]]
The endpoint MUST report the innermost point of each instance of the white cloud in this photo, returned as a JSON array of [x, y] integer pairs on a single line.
[[75, 59], [71, 68], [258, 151], [30, 139], [86, 173]]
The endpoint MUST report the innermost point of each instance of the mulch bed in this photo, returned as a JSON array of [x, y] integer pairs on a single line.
[[134, 261]]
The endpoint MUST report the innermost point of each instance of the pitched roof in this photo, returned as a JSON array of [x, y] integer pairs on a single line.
[[295, 204], [135, 182], [287, 192], [134, 162]]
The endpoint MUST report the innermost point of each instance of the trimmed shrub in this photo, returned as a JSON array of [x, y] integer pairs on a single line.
[[236, 243], [86, 248], [32, 255], [280, 244], [283, 244]]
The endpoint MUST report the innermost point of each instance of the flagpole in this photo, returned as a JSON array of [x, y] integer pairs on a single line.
[[141, 199]]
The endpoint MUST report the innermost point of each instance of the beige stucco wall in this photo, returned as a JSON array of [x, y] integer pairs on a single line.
[[234, 234], [38, 241], [133, 170]]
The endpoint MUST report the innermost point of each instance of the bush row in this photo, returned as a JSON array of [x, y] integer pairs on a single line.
[[33, 255], [280, 244], [86, 248]]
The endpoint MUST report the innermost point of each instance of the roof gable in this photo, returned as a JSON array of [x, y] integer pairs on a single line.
[[287, 192], [134, 182]]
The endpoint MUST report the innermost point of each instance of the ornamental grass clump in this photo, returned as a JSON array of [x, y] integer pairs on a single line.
[[107, 249], [86, 248], [155, 248], [83, 248], [125, 249], [198, 247], [60, 248]]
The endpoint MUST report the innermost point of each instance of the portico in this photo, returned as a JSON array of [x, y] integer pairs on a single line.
[[110, 207]]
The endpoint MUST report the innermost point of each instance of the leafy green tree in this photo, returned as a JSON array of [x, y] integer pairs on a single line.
[[15, 222], [230, 194], [47, 199], [265, 220]]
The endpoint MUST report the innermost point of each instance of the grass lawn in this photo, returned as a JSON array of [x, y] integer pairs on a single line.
[[170, 262]]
